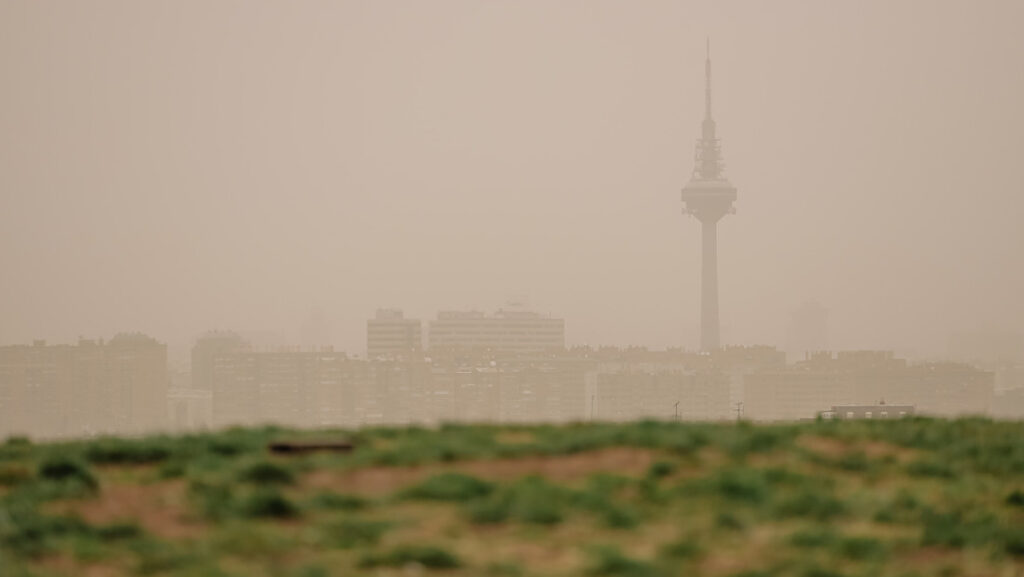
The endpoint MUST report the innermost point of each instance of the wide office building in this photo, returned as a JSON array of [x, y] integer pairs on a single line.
[[507, 331], [389, 335]]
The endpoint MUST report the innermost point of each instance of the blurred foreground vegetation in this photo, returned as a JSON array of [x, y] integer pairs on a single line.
[[912, 497]]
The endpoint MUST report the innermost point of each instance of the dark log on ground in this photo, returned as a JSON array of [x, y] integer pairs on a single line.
[[295, 447]]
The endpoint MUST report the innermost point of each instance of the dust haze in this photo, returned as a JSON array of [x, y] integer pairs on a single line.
[[284, 170], [177, 169]]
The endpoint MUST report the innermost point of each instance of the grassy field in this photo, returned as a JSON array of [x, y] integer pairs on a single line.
[[914, 497]]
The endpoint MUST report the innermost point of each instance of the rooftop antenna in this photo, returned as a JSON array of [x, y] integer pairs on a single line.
[[707, 80]]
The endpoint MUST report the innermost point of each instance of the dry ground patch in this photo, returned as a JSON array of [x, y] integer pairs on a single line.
[[159, 508], [377, 481]]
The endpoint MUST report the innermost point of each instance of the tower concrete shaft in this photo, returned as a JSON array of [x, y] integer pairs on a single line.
[[708, 197], [709, 337]]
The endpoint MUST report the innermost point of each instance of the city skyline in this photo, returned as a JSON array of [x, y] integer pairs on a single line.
[[174, 178], [126, 386]]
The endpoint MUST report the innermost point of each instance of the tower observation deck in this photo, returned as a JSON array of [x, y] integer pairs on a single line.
[[708, 197]]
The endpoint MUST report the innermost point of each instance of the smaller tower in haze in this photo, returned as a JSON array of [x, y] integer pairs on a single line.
[[708, 197]]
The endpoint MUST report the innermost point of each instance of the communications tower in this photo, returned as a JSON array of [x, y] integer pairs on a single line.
[[708, 197]]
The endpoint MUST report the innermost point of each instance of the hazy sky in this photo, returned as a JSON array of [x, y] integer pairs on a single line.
[[173, 167]]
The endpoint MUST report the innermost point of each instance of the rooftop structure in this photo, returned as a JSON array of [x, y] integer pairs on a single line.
[[876, 411]]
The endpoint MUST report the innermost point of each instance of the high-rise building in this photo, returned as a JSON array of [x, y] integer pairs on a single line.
[[285, 387], [204, 353], [390, 335], [507, 331], [117, 387], [708, 197], [137, 382]]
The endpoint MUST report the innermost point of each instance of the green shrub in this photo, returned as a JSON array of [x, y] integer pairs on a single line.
[[249, 540], [534, 500], [156, 556], [685, 442], [1016, 498], [813, 538], [746, 485], [125, 452], [12, 474], [862, 548], [171, 470], [118, 531], [348, 533], [660, 469], [532, 508], [427, 556], [600, 497], [504, 570], [649, 491], [415, 446], [530, 500], [312, 571], [855, 462], [727, 520], [617, 516], [87, 549], [750, 439], [684, 549], [32, 534], [339, 502], [1013, 542], [930, 468], [225, 447], [956, 530], [64, 470], [449, 487], [810, 504], [783, 476], [489, 510], [903, 508], [606, 483], [268, 504], [266, 473], [15, 447], [609, 561], [215, 501]]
